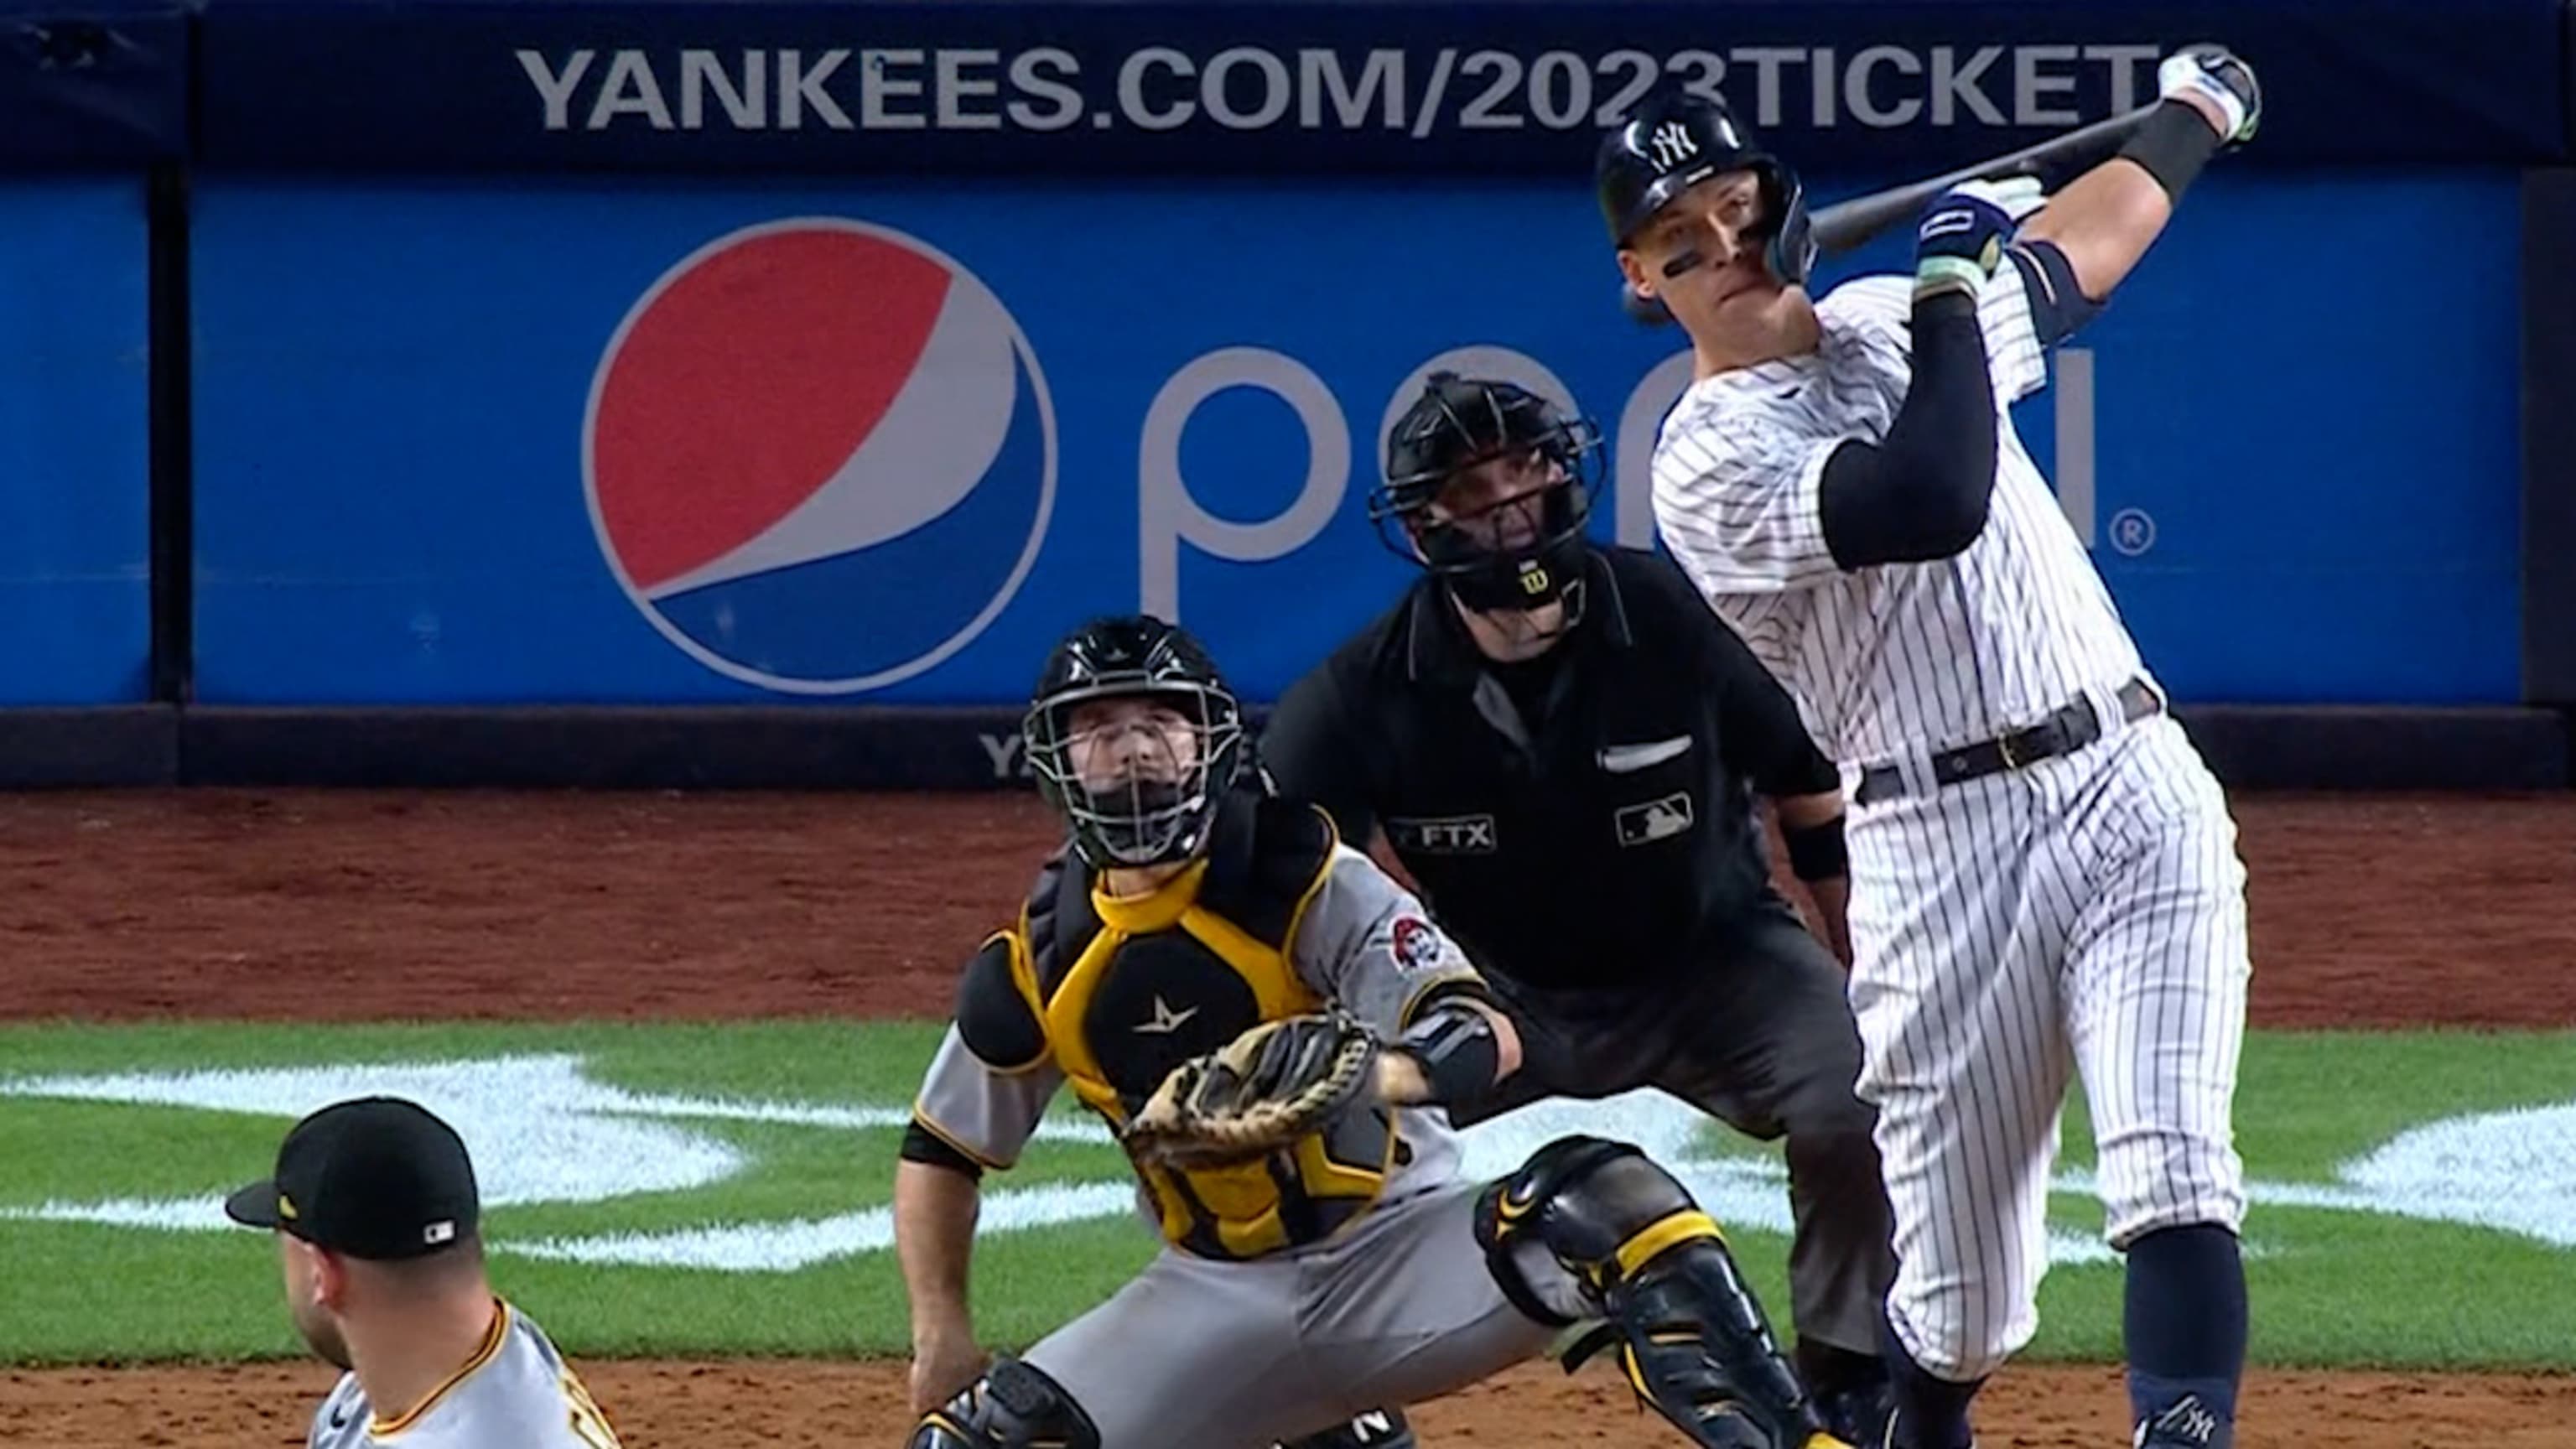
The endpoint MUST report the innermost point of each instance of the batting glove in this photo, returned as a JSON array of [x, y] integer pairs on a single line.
[[1960, 240], [2218, 77]]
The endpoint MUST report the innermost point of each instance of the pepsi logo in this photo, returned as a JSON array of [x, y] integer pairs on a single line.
[[820, 456]]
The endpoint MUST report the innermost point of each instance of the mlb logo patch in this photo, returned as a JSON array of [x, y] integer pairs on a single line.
[[1655, 819]]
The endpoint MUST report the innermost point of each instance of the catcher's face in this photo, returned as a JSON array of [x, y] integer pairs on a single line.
[[314, 1282], [1119, 743]]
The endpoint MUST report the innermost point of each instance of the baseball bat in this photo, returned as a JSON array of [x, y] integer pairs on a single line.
[[1853, 223]]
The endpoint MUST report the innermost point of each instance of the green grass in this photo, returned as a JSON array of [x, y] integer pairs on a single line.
[[2331, 1285]]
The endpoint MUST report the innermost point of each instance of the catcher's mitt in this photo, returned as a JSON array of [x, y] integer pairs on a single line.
[[1256, 1094]]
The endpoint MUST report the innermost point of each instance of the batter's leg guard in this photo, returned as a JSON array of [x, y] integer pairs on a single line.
[[1013, 1406], [1376, 1429], [1693, 1340]]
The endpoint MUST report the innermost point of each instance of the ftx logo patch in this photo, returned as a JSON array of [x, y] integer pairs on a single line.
[[1448, 835]]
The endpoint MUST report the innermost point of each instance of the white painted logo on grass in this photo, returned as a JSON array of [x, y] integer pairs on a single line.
[[542, 1130]]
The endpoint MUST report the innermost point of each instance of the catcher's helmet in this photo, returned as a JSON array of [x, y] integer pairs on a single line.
[[1146, 815], [1457, 423], [1675, 141]]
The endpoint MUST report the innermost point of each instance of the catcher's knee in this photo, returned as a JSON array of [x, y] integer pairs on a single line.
[[1013, 1406], [1692, 1339]]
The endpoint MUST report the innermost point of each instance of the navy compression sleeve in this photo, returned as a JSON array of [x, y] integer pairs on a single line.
[[1922, 494]]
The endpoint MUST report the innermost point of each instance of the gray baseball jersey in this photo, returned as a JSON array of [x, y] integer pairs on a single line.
[[1362, 941], [516, 1392]]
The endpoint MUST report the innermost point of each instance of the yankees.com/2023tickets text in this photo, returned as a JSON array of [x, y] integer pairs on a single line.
[[1415, 91]]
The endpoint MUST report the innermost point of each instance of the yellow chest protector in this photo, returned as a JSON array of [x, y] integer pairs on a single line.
[[1125, 990]]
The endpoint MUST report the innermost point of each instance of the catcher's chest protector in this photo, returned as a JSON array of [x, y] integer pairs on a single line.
[[1126, 990]]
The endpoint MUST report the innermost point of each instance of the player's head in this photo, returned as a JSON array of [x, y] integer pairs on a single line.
[[1489, 486], [1708, 226], [375, 1209], [1135, 740]]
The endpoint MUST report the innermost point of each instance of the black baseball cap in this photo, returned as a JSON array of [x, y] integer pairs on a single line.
[[373, 1177]]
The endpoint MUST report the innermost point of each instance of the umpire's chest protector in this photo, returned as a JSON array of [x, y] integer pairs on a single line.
[[1122, 991]]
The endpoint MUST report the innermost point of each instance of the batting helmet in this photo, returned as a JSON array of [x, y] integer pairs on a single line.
[[1148, 815], [1456, 424], [1677, 140]]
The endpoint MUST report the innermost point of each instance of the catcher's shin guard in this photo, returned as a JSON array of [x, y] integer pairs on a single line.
[[1689, 1333], [1013, 1406]]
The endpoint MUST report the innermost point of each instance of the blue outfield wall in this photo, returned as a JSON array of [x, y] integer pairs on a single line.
[[620, 443], [92, 93], [75, 443], [748, 391]]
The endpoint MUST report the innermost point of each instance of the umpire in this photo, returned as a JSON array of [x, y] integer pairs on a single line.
[[1561, 742]]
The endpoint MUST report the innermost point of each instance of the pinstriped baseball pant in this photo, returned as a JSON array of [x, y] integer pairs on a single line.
[[2085, 914]]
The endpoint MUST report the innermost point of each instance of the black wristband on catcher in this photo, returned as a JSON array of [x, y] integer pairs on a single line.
[[1456, 1048], [2173, 144], [1817, 852]]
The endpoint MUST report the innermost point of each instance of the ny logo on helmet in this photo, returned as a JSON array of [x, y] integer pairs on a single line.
[[1672, 144]]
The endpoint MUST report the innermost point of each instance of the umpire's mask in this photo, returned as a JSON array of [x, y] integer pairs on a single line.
[[1489, 488]]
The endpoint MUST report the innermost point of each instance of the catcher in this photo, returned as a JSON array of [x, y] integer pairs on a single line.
[[1274, 1031]]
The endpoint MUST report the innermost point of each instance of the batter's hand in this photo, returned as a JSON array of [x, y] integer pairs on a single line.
[[1960, 240], [2218, 84]]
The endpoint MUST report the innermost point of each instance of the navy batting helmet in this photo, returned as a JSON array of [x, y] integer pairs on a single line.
[[1677, 140]]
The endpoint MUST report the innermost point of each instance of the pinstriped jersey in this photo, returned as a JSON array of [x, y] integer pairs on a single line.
[[1896, 658], [516, 1392]]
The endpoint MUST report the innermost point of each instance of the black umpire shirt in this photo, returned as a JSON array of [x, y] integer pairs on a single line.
[[1578, 820]]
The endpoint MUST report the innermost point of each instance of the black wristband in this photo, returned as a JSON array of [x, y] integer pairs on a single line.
[[1457, 1052], [2173, 144], [1817, 852]]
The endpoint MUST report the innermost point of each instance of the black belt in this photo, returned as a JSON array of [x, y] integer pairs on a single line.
[[2069, 729]]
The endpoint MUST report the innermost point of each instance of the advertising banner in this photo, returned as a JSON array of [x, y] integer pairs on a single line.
[[875, 445], [1441, 88]]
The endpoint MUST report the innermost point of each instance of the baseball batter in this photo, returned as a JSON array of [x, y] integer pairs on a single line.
[[375, 1209], [2044, 876], [1197, 928]]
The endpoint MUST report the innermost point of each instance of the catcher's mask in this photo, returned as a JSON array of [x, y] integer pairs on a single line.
[[1518, 550], [1135, 741]]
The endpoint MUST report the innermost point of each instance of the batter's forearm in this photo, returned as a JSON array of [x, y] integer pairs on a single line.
[[2107, 218], [2104, 221], [934, 1237]]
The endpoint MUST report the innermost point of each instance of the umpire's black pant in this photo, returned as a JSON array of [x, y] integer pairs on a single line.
[[1757, 1032]]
